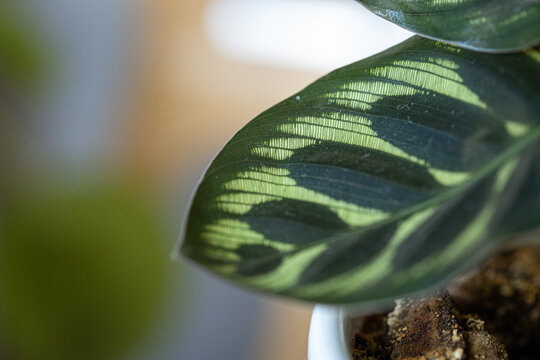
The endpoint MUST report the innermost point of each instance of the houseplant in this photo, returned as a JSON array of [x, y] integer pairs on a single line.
[[388, 176]]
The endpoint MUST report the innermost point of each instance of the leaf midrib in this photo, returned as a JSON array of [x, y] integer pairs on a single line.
[[440, 198]]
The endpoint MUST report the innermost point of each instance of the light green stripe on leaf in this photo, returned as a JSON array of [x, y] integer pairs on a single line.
[[484, 25], [439, 79], [287, 274], [378, 268], [471, 234]]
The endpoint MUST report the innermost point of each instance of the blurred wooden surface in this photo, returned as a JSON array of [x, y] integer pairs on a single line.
[[192, 100], [189, 102]]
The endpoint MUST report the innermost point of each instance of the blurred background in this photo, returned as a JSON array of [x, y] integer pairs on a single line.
[[110, 111]]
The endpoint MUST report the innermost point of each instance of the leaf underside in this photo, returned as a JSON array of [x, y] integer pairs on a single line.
[[378, 180], [486, 25]]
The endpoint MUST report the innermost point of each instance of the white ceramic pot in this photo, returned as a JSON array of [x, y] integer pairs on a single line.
[[331, 333]]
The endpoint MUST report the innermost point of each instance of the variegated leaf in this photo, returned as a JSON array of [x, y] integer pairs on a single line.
[[378, 180], [485, 25]]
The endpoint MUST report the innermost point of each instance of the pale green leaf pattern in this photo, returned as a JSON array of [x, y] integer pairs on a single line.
[[485, 25], [378, 180]]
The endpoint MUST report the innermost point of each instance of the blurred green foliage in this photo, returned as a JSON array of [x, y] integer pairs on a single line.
[[82, 271], [21, 57]]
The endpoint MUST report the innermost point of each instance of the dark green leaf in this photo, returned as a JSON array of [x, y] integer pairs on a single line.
[[486, 25], [378, 180]]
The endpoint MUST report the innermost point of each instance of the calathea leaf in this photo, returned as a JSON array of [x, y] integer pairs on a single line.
[[380, 179], [486, 25]]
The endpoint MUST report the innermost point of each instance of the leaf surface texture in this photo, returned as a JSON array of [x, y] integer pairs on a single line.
[[486, 25], [378, 180]]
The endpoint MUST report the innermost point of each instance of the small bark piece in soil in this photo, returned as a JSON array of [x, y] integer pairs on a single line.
[[481, 345], [425, 328], [429, 328]]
